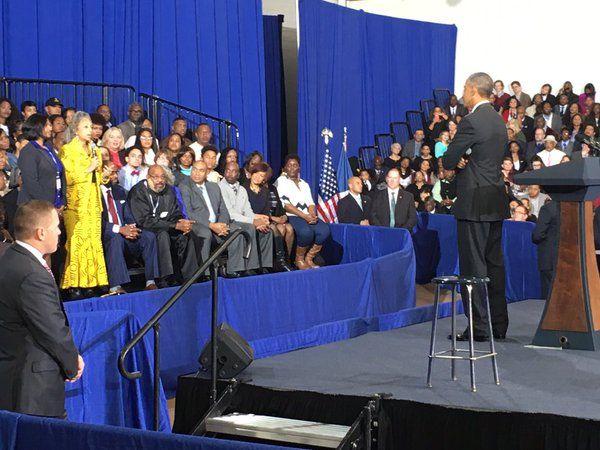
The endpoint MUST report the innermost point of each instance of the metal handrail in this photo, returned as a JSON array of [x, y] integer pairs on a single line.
[[176, 296], [153, 322], [66, 82], [185, 108]]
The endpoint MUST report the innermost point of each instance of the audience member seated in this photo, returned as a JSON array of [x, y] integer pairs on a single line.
[[562, 106], [438, 122], [114, 142], [28, 108], [393, 207], [546, 236], [52, 106], [589, 131], [203, 136], [147, 143], [412, 148], [98, 128], [565, 144], [509, 111], [183, 165], [442, 145], [296, 196], [516, 155], [553, 120], [236, 201], [406, 172], [121, 235], [378, 171], [41, 169], [535, 146], [444, 192], [210, 157], [550, 156], [527, 204], [251, 160], [173, 144], [501, 97], [155, 208], [536, 198], [354, 207], [519, 214], [264, 200], [230, 154], [179, 126], [393, 161], [5, 237], [536, 107], [58, 124], [508, 171], [454, 109], [135, 116], [365, 178], [205, 206], [419, 189], [546, 93], [425, 156], [85, 269], [521, 96], [134, 170], [524, 123], [536, 163], [104, 110], [593, 117], [426, 169]]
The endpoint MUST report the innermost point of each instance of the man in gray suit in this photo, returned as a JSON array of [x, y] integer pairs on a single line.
[[412, 148], [240, 211], [135, 115], [204, 204], [553, 120]]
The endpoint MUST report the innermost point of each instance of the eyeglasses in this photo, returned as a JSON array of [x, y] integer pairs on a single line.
[[145, 138]]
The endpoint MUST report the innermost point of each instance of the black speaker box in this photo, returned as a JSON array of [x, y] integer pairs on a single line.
[[233, 353]]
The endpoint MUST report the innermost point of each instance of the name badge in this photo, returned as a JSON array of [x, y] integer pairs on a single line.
[[164, 214], [58, 184]]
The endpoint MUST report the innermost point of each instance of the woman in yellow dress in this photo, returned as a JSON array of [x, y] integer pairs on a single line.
[[85, 268]]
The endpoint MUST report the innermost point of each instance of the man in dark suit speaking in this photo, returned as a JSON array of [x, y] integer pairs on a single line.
[[482, 203], [393, 207], [37, 353]]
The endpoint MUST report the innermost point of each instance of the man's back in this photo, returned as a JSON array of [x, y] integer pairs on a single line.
[[36, 347], [481, 192]]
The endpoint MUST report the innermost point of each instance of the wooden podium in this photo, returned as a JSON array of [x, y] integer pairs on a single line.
[[571, 317]]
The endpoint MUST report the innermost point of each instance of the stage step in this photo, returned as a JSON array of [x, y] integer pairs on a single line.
[[278, 429]]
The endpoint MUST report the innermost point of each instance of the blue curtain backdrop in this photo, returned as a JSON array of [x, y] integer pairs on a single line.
[[363, 71], [204, 54], [275, 92]]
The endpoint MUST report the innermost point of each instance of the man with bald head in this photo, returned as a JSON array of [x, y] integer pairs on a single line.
[[212, 221], [354, 207], [155, 208], [393, 207]]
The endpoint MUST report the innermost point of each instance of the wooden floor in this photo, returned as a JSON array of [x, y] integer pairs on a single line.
[[424, 294]]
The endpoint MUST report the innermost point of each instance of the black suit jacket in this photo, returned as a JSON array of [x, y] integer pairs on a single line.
[[546, 235], [528, 128], [481, 194], [405, 213], [461, 110], [39, 176], [37, 351], [377, 178], [349, 211]]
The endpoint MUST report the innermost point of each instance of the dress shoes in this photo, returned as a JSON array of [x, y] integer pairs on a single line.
[[151, 287], [464, 336]]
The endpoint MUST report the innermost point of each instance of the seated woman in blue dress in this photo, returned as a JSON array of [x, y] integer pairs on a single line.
[[300, 208]]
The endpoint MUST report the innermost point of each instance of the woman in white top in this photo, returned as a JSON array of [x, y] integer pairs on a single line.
[[299, 206]]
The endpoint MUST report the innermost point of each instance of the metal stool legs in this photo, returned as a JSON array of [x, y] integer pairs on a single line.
[[453, 354], [436, 302]]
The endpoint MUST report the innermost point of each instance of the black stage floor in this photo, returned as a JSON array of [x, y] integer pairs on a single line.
[[329, 383]]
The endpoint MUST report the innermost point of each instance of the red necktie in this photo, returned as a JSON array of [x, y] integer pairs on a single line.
[[112, 210]]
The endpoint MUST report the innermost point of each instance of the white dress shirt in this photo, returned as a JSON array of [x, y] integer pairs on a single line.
[[551, 158], [212, 217], [357, 198], [478, 105], [116, 226]]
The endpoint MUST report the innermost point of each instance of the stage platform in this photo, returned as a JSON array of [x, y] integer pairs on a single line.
[[537, 386]]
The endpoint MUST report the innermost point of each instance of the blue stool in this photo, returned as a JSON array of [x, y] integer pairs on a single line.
[[453, 353]]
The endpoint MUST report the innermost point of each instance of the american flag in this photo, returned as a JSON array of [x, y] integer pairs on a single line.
[[328, 191]]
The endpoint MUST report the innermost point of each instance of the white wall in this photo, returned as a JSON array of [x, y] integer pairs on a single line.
[[512, 39]]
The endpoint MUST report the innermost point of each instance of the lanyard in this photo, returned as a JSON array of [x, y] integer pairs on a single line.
[[154, 206], [57, 163]]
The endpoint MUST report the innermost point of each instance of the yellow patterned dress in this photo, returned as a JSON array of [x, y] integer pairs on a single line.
[[85, 266]]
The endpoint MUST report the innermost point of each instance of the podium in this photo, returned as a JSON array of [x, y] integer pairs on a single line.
[[571, 317]]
